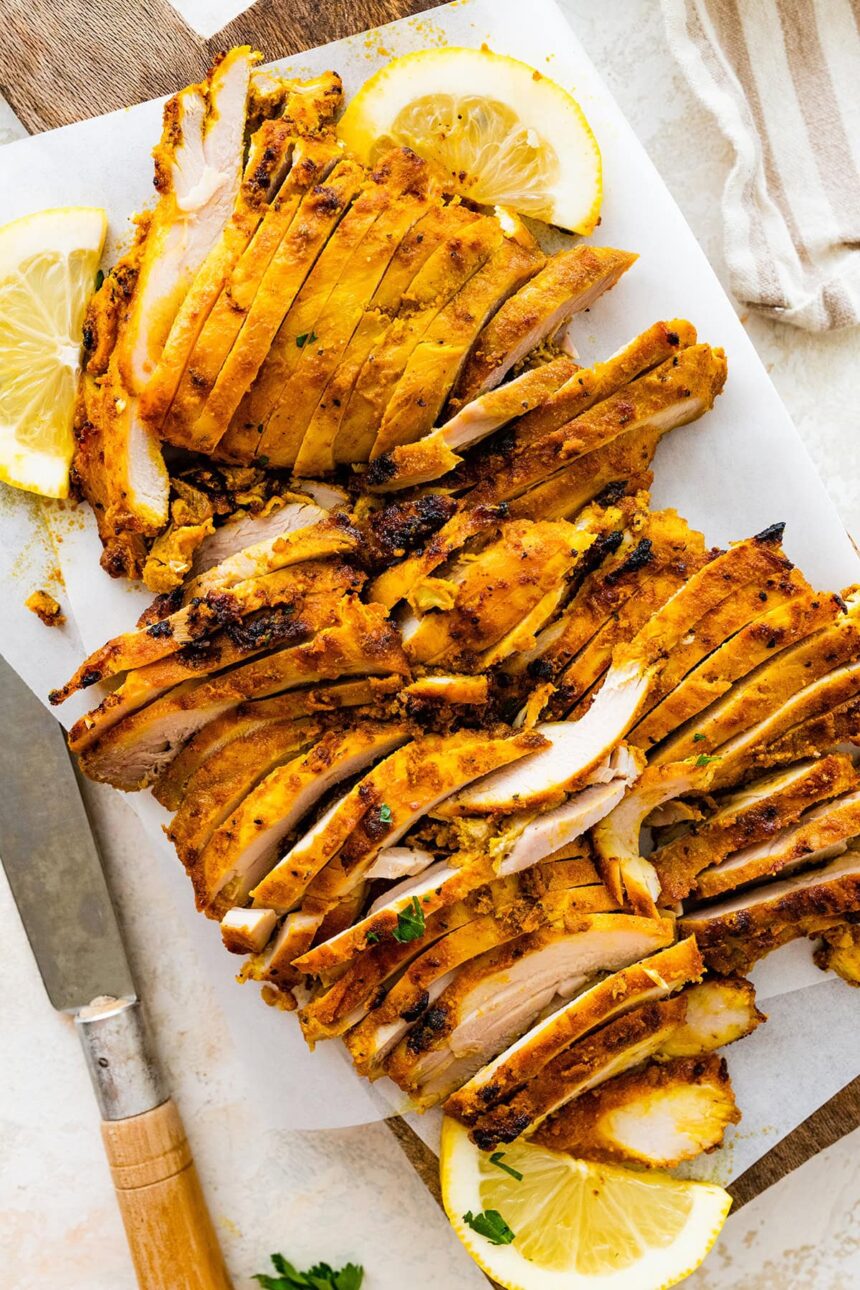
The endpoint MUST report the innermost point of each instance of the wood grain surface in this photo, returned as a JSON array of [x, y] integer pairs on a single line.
[[63, 60]]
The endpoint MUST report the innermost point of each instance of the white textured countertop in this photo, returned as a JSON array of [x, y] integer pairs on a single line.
[[351, 1194]]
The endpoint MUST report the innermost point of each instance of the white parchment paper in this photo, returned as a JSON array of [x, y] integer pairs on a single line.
[[739, 469]]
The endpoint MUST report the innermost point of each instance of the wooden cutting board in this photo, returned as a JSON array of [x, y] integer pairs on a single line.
[[63, 60]]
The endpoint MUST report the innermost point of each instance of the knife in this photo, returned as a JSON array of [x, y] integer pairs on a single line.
[[55, 873]]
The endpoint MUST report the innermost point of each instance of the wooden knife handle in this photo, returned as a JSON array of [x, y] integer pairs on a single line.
[[170, 1233]]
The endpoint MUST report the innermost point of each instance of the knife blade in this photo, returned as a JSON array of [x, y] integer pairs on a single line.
[[55, 872], [50, 857]]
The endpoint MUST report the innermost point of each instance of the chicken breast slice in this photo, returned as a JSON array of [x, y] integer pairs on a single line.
[[135, 752], [735, 933], [820, 834], [437, 360], [652, 978], [659, 1116], [377, 813], [616, 1047], [753, 815], [245, 846], [435, 454], [310, 106], [570, 282], [498, 997]]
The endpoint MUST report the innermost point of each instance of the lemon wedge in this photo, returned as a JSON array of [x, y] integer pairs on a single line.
[[539, 1220], [503, 133], [48, 264]]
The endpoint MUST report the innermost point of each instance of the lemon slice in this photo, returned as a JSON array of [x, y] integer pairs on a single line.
[[502, 132], [568, 1224], [48, 265]]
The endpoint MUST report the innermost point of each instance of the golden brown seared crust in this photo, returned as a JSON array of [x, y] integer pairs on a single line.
[[420, 394], [689, 1098], [565, 1074], [840, 951], [676, 392], [296, 585], [506, 580], [570, 281], [679, 862], [661, 973], [734, 937], [665, 556], [654, 346], [839, 724], [748, 628], [226, 777]]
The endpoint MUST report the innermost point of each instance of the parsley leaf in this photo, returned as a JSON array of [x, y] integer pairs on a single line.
[[306, 338], [372, 938], [704, 760], [410, 923], [490, 1223], [385, 813], [320, 1277], [263, 460], [697, 736], [497, 1159], [100, 277]]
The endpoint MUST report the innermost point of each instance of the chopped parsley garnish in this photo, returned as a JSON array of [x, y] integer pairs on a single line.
[[410, 923], [498, 1159], [260, 428], [698, 736], [385, 813], [263, 460], [100, 277], [372, 938], [306, 338], [704, 760], [490, 1223], [320, 1277]]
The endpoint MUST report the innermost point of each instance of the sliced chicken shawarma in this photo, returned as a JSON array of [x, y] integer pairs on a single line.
[[435, 454], [720, 1010], [436, 361], [378, 811], [651, 979], [491, 1003], [310, 106], [447, 270], [570, 282], [332, 302], [256, 715], [658, 1117], [198, 165], [576, 747], [245, 846], [489, 594], [780, 736], [764, 690], [312, 161], [264, 631], [616, 837], [686, 1025], [735, 934], [215, 607], [734, 654], [525, 840], [135, 751], [671, 395], [356, 990], [246, 931], [203, 408], [819, 834], [753, 815], [228, 776]]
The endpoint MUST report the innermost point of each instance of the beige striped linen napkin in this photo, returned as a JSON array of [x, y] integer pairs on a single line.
[[782, 78]]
